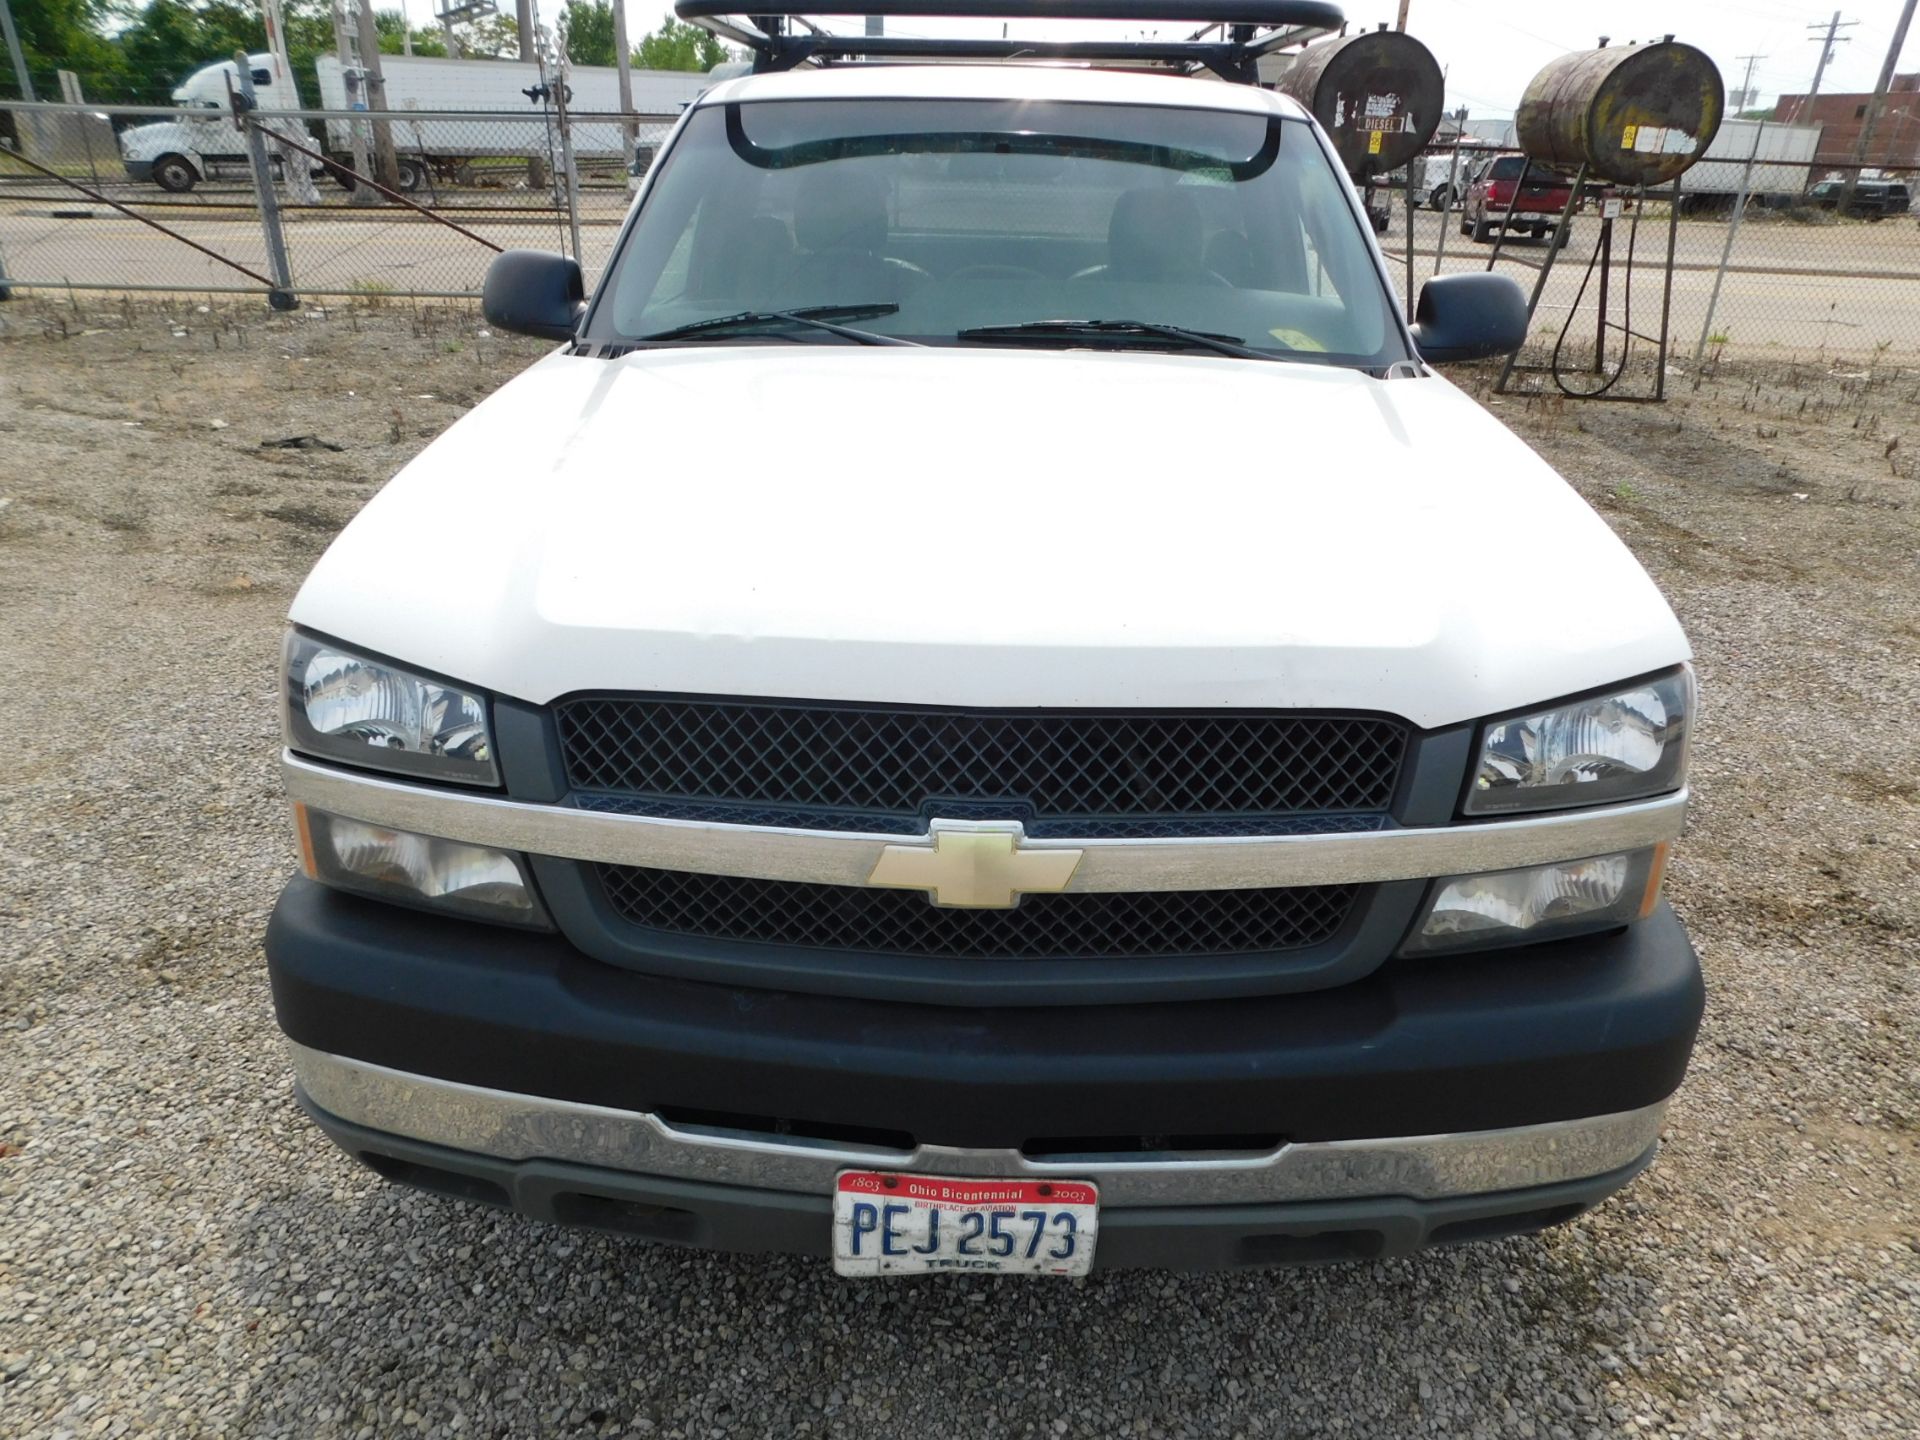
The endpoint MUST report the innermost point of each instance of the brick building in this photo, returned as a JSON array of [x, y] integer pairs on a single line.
[[1896, 138]]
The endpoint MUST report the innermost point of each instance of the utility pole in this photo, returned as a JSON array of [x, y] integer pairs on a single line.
[[1875, 105], [1827, 42], [356, 100], [1401, 23], [623, 68], [20, 75], [276, 24], [386, 168], [523, 22], [1746, 86]]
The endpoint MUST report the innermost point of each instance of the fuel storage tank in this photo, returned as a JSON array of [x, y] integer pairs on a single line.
[[1632, 114], [1378, 94]]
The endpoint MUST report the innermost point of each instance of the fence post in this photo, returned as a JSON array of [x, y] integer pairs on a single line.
[[1453, 171], [281, 297], [1726, 251], [623, 69], [561, 95]]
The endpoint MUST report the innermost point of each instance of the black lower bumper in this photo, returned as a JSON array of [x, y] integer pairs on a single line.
[[1474, 1042], [1193, 1237]]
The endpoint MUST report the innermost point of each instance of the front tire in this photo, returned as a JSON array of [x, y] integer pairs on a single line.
[[175, 174]]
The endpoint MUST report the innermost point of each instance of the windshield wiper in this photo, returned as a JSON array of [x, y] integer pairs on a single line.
[[1040, 332], [813, 317]]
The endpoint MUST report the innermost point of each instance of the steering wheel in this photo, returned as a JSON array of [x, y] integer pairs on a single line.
[[996, 272], [1203, 277]]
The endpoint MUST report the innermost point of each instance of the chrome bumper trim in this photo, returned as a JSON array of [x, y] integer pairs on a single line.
[[515, 1127], [826, 857]]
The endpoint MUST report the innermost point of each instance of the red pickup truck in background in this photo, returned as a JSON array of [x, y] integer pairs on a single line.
[[1543, 197]]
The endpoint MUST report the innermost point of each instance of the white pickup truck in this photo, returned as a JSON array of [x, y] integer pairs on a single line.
[[1126, 784]]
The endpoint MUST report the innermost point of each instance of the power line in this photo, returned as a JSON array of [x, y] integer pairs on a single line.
[[1827, 41], [1875, 106]]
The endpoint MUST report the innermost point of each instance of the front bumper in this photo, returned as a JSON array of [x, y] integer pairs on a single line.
[[509, 1067], [139, 171]]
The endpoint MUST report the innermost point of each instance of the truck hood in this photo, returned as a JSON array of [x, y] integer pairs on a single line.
[[145, 142], [991, 527]]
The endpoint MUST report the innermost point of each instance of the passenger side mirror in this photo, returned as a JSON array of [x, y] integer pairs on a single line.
[[1469, 317], [533, 292]]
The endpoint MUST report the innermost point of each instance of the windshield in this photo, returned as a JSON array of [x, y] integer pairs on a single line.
[[934, 218]]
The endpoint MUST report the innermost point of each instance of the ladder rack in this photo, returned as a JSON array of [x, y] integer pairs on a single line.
[[782, 36]]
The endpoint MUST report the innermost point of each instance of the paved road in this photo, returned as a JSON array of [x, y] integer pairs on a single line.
[[1794, 288]]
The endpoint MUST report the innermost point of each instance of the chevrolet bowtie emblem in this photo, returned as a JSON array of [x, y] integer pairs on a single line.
[[979, 866]]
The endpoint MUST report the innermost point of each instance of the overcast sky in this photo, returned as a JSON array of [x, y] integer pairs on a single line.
[[1491, 48]]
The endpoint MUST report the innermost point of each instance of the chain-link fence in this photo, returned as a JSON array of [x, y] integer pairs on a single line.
[[1771, 259], [401, 203]]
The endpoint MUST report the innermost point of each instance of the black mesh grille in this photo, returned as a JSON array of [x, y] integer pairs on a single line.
[[1040, 927], [814, 760]]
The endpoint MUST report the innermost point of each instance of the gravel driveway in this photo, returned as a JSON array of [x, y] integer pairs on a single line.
[[181, 1254]]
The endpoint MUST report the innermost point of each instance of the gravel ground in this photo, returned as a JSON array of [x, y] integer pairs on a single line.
[[181, 1254]]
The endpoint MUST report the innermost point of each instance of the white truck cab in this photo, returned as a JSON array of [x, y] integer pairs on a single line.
[[178, 154], [1100, 771]]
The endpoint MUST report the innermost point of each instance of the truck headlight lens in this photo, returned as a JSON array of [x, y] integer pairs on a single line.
[[1541, 902], [1627, 744], [419, 870], [346, 707]]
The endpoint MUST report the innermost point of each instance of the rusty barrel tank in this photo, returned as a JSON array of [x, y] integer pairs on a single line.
[[1632, 114], [1378, 94]]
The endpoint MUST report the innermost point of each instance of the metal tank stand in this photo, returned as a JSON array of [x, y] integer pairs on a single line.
[[1594, 381]]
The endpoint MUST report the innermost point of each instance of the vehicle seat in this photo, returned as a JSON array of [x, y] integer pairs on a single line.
[[840, 224], [1155, 234], [748, 265], [1230, 256]]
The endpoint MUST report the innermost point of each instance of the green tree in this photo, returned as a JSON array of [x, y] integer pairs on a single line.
[[589, 32], [680, 45], [392, 25], [496, 37], [65, 35], [170, 39]]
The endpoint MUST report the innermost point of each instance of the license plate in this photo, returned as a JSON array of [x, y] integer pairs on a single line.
[[886, 1223]]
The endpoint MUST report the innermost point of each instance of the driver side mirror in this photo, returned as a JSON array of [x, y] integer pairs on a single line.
[[533, 292], [1469, 317]]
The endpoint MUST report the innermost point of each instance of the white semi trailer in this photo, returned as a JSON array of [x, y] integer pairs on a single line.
[[1782, 157], [449, 148], [201, 142]]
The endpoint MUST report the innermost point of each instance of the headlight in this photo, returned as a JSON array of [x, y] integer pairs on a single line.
[[1624, 745], [343, 706], [419, 870], [1541, 902]]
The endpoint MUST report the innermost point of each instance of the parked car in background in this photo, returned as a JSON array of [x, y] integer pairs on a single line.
[[1872, 199], [1543, 198], [1440, 179]]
